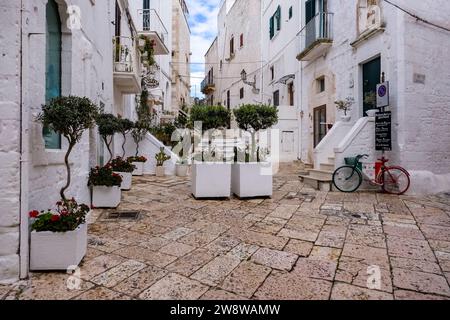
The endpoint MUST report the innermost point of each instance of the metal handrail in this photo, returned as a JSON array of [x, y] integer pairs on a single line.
[[126, 57]]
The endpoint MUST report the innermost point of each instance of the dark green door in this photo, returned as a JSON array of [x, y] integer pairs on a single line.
[[310, 13], [371, 77], [53, 67]]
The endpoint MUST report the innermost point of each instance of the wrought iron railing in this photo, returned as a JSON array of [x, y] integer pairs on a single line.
[[149, 21], [318, 29], [126, 57]]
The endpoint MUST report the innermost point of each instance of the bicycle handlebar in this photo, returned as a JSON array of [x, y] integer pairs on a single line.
[[361, 156]]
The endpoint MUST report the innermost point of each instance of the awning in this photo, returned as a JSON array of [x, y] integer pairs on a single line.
[[285, 79]]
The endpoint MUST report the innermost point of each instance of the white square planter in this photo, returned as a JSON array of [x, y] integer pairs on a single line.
[[126, 180], [252, 179], [57, 250], [106, 197], [181, 170], [160, 171], [139, 171], [211, 180]]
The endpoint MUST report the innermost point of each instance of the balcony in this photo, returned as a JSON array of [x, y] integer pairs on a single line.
[[316, 37], [127, 67], [150, 25], [207, 87]]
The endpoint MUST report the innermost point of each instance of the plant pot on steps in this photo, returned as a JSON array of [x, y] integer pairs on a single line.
[[139, 171], [250, 180], [346, 118], [126, 180], [160, 171], [106, 197], [57, 250]]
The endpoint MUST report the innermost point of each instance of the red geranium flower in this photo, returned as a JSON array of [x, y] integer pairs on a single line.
[[55, 218], [64, 212], [34, 214]]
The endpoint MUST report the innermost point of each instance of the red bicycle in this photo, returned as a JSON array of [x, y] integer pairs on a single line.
[[393, 180]]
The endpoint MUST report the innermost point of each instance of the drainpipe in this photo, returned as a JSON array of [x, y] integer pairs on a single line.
[[23, 170]]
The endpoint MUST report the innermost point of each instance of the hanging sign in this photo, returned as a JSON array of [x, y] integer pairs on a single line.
[[383, 94], [383, 137]]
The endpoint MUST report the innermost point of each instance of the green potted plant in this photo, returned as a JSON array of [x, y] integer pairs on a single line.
[[105, 184], [161, 157], [251, 175], [211, 173], [345, 106], [123, 168], [108, 125], [59, 238], [139, 133]]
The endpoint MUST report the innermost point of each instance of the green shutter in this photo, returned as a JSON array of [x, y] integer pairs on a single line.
[[290, 12], [53, 67], [278, 18], [272, 27]]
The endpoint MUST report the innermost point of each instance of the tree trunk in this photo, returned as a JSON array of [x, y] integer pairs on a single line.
[[123, 144], [108, 146], [253, 150], [66, 161], [137, 149]]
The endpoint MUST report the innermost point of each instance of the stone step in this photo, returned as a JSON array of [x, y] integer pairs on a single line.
[[331, 160], [327, 167], [321, 175], [316, 183]]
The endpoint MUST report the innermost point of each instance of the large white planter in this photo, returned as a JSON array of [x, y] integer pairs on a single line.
[[252, 179], [181, 170], [126, 180], [139, 171], [57, 250], [211, 180], [106, 197]]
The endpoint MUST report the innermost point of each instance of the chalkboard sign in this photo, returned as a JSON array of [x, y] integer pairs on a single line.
[[383, 138]]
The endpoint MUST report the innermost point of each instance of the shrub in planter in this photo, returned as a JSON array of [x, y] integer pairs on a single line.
[[138, 162], [124, 169], [59, 237], [124, 127], [161, 157], [105, 185], [108, 125], [252, 177]]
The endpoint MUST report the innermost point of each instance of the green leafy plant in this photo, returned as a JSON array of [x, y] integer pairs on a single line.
[[67, 217], [69, 116], [137, 159], [140, 130], [253, 118], [345, 105], [108, 125], [104, 176], [124, 126], [163, 133], [120, 165], [161, 157], [212, 117], [148, 52]]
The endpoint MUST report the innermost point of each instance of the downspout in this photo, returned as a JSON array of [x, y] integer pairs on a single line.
[[300, 98], [23, 170]]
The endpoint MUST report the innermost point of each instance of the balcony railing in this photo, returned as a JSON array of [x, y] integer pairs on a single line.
[[316, 36], [148, 21], [207, 86], [127, 65]]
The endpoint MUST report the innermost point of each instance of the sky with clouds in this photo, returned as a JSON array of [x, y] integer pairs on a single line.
[[203, 23]]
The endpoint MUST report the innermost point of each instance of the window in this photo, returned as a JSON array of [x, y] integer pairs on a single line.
[[231, 46], [272, 73], [276, 98], [275, 22], [290, 13], [241, 93], [228, 99], [291, 93], [320, 85], [53, 67], [241, 40], [221, 65]]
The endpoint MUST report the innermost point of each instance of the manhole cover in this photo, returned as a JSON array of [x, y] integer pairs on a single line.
[[356, 216], [127, 215]]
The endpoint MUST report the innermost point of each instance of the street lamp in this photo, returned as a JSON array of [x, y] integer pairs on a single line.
[[250, 83]]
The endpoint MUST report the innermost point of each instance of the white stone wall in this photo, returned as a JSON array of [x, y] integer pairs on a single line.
[[9, 140]]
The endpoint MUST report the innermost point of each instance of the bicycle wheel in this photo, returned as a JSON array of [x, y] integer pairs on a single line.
[[347, 179], [395, 180]]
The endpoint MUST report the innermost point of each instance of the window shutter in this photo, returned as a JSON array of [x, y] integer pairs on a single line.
[[278, 18], [272, 27]]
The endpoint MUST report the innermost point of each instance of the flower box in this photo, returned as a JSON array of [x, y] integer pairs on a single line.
[[139, 171], [211, 180], [106, 197], [57, 250], [253, 179], [126, 180]]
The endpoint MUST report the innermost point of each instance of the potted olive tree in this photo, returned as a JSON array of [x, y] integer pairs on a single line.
[[251, 175], [161, 157], [124, 127], [105, 184], [138, 133], [124, 169], [210, 174], [59, 237], [108, 125]]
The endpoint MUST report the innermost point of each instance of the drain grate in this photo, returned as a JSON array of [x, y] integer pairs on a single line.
[[125, 215]]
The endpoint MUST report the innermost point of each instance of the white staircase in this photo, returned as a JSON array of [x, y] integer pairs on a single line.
[[320, 179]]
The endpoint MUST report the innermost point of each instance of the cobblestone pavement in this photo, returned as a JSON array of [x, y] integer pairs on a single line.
[[301, 244]]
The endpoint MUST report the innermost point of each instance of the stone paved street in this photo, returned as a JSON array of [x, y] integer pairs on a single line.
[[301, 244]]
